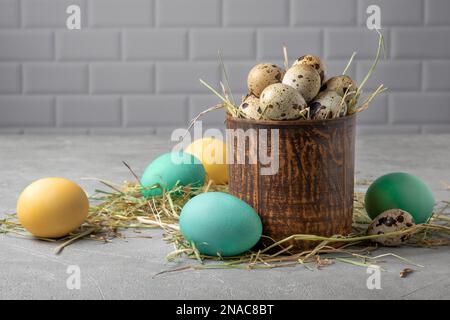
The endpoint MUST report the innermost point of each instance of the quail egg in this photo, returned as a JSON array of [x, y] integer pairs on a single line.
[[312, 61], [341, 84], [281, 102], [251, 107], [263, 75], [326, 105], [305, 79], [390, 221]]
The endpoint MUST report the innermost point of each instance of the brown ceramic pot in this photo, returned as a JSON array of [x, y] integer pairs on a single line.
[[312, 191]]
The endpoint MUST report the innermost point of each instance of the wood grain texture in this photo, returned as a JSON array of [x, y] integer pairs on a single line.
[[312, 192]]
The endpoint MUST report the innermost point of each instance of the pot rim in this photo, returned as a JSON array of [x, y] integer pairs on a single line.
[[291, 122]]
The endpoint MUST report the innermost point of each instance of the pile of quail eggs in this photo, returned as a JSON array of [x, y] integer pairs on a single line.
[[299, 92]]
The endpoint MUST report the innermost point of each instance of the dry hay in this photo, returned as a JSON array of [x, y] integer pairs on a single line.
[[123, 207]]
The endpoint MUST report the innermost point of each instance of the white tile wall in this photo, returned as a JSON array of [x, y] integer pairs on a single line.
[[135, 64]]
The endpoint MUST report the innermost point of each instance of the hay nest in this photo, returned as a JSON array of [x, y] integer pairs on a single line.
[[122, 207]]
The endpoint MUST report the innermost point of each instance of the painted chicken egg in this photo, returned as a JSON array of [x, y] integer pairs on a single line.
[[220, 224], [305, 79], [212, 153], [172, 169], [400, 190], [52, 207], [281, 102], [327, 105], [261, 76], [391, 221]]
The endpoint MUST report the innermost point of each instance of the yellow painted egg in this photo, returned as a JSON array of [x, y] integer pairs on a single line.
[[213, 155], [52, 207]]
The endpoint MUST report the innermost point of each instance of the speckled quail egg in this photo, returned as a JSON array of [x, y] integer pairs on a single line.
[[281, 102], [305, 79], [340, 84], [312, 61], [390, 221], [326, 105], [263, 75], [251, 107]]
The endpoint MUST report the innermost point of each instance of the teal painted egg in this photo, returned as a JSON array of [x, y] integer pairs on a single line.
[[169, 169], [403, 191], [220, 224]]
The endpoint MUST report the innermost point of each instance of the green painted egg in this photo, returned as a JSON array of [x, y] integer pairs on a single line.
[[169, 169], [403, 191], [220, 224]]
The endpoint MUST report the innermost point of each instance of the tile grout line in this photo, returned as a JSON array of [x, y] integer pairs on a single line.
[[155, 22], [21, 12], [423, 16]]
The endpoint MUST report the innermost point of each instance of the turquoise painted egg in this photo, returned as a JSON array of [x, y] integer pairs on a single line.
[[220, 224], [403, 191], [169, 169]]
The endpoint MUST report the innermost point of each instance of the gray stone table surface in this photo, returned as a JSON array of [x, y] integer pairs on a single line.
[[125, 269]]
